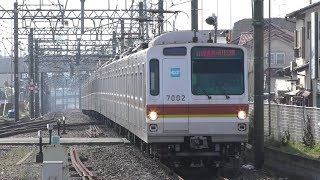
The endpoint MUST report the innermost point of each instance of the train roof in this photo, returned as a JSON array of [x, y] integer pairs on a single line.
[[180, 37]]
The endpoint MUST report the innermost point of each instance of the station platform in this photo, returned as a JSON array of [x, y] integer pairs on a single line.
[[65, 141]]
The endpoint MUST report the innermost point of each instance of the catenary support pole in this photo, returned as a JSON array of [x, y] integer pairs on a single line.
[[194, 15], [160, 7], [31, 74], [36, 80], [16, 63], [42, 94], [82, 16]]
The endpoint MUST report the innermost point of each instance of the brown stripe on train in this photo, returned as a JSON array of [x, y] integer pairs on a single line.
[[195, 109]]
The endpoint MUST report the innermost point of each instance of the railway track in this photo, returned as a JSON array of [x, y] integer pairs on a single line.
[[28, 126], [94, 131], [35, 125], [24, 128], [82, 170]]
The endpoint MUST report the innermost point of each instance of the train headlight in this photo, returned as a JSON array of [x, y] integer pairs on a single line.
[[242, 115], [153, 115]]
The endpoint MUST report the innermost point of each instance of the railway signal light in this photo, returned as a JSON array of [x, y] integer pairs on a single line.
[[213, 20], [33, 87]]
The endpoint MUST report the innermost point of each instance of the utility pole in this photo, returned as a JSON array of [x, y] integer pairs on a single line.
[[314, 56], [31, 74], [16, 63], [269, 69], [194, 15], [258, 121]]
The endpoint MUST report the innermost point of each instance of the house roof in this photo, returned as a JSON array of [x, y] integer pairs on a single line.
[[301, 11], [245, 37], [245, 25], [276, 32]]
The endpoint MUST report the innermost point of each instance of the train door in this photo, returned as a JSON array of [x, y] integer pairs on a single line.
[[175, 95]]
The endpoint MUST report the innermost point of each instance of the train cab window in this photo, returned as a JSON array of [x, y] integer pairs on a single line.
[[154, 77], [175, 51], [217, 71]]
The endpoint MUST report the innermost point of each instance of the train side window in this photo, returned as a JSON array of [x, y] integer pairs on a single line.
[[154, 77]]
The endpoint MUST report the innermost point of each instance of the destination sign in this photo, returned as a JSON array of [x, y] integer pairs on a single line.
[[216, 52]]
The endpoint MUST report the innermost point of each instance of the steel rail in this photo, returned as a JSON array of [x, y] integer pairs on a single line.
[[34, 128], [26, 124], [82, 170]]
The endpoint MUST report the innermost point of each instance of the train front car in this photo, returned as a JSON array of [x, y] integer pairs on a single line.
[[197, 105]]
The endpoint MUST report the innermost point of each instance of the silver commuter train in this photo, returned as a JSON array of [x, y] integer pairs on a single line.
[[182, 96]]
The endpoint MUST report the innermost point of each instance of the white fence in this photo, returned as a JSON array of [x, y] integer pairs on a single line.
[[292, 119]]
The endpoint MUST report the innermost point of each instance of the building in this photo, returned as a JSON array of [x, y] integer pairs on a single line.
[[7, 83], [6, 72], [281, 51], [300, 70], [245, 25]]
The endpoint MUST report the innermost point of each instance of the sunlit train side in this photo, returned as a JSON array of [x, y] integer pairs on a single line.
[[179, 97]]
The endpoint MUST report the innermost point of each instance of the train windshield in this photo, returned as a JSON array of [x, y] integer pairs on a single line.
[[217, 71]]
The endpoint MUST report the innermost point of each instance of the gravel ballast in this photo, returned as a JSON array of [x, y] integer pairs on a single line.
[[122, 161]]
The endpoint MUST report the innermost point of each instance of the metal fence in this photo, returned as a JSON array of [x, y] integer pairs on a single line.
[[292, 119]]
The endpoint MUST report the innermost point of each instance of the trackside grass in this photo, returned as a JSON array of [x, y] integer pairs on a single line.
[[296, 148]]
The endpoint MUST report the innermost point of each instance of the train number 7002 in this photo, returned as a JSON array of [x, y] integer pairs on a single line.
[[176, 97]]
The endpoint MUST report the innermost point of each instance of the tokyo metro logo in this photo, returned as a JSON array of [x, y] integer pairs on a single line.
[[175, 72]]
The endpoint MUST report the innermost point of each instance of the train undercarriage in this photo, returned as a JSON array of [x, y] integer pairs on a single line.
[[195, 151]]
